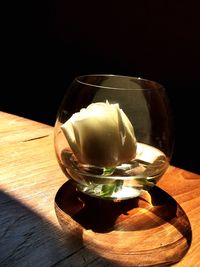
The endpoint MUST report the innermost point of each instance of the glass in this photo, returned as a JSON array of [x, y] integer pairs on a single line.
[[113, 135]]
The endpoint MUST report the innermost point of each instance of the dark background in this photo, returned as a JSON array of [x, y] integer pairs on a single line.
[[47, 43]]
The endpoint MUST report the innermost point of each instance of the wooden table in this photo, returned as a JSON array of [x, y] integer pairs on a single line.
[[30, 234]]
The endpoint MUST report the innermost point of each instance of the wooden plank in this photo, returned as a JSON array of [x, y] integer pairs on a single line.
[[184, 187], [29, 178], [18, 129]]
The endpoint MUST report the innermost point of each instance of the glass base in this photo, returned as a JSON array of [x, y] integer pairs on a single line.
[[110, 191]]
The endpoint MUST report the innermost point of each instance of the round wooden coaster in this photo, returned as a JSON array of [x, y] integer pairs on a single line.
[[149, 230]]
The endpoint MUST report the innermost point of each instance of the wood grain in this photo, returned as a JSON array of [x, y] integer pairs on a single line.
[[29, 180]]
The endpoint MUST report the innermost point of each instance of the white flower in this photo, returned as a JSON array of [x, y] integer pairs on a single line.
[[101, 135]]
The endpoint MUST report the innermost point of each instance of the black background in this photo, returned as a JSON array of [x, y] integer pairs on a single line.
[[45, 44]]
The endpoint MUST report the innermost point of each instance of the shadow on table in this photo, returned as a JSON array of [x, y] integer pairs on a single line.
[[27, 239], [149, 230]]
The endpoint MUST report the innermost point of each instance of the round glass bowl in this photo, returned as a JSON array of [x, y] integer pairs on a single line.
[[113, 135]]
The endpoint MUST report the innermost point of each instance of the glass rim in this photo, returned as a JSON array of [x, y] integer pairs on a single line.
[[150, 84]]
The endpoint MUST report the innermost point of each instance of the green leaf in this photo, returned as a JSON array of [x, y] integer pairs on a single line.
[[108, 171], [109, 189]]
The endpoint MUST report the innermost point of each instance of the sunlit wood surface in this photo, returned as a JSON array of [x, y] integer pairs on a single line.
[[30, 177]]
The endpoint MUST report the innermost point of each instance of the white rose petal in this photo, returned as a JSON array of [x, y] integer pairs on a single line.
[[101, 135]]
